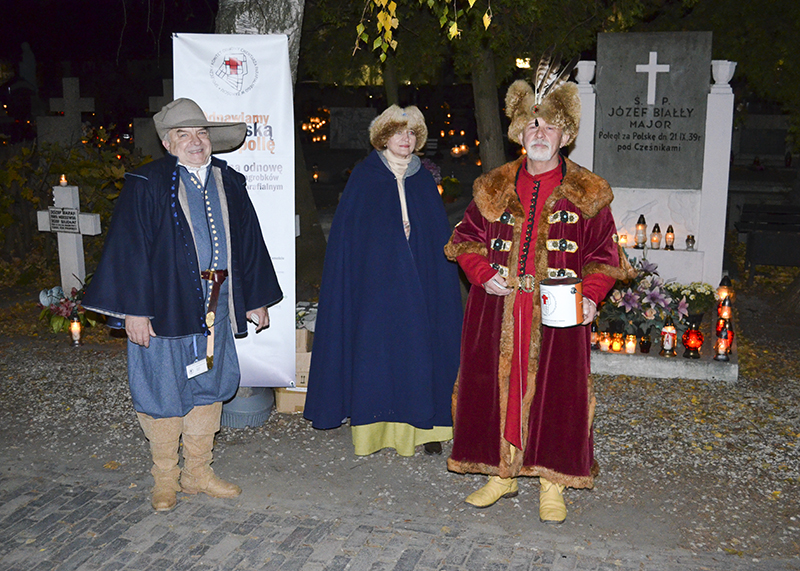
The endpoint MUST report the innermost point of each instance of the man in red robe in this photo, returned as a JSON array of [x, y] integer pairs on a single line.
[[523, 404]]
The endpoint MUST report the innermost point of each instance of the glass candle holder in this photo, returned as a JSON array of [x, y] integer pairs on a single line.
[[655, 238], [669, 238], [669, 338], [641, 233]]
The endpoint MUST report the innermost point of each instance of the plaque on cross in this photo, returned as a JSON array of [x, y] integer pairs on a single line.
[[70, 224]]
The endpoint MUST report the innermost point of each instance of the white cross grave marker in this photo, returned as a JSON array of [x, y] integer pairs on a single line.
[[65, 219], [651, 69]]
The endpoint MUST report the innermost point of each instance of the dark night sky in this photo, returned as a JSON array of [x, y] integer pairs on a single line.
[[97, 41], [92, 29]]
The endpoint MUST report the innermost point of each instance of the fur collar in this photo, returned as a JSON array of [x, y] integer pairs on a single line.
[[495, 192]]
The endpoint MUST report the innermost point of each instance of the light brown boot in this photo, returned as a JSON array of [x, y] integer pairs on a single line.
[[551, 502], [495, 489], [164, 435], [199, 428]]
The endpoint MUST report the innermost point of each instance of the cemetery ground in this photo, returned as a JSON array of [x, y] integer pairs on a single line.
[[693, 474]]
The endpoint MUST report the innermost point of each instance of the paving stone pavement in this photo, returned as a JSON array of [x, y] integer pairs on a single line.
[[58, 522]]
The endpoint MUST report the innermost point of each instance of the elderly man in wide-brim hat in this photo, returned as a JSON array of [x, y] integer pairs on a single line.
[[523, 403], [184, 266]]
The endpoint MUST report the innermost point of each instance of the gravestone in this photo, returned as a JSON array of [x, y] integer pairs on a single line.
[[70, 224], [145, 138], [65, 129], [350, 127], [659, 131]]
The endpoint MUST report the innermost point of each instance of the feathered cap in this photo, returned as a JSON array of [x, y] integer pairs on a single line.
[[394, 119], [552, 98]]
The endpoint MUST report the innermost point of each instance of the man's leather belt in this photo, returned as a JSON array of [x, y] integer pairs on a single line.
[[216, 277]]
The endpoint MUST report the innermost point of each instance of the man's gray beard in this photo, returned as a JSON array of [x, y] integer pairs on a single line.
[[539, 152]]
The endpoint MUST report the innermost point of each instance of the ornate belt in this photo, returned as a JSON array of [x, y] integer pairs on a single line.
[[527, 283]]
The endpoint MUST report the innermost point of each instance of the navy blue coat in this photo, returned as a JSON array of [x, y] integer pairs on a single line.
[[386, 342], [149, 263]]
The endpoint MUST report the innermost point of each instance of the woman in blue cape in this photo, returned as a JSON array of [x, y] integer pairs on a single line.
[[386, 343]]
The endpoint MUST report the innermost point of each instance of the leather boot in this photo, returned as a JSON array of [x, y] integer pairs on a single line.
[[495, 489], [164, 435], [551, 502], [199, 428]]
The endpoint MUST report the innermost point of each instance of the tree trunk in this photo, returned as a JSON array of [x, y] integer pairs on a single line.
[[487, 111], [285, 17], [264, 17], [390, 83]]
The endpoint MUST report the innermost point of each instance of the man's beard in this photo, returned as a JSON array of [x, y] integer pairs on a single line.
[[539, 151]]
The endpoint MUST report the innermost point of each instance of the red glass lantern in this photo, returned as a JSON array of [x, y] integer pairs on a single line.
[[669, 338], [692, 340]]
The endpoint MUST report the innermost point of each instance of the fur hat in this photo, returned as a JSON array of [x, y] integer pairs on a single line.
[[186, 113], [392, 120], [554, 99]]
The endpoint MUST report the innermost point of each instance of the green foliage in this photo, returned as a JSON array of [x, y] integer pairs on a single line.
[[26, 181], [327, 55]]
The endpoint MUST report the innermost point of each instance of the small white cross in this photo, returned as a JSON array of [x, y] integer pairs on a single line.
[[70, 224], [651, 69]]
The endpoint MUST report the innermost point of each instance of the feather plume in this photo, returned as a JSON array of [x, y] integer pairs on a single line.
[[549, 77]]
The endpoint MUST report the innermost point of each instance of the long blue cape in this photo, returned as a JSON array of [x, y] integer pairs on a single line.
[[149, 262], [386, 342]]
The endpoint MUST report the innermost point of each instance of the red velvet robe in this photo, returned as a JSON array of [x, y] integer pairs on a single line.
[[575, 236]]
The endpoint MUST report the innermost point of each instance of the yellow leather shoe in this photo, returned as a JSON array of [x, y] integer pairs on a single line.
[[551, 502], [495, 489]]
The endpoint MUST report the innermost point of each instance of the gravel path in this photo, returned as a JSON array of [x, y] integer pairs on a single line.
[[701, 466]]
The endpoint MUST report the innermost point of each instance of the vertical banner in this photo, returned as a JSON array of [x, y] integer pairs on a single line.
[[246, 78]]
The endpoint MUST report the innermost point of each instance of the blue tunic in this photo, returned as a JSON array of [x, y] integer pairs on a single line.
[[151, 267], [168, 357]]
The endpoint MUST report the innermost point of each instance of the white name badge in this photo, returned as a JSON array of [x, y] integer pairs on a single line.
[[196, 368]]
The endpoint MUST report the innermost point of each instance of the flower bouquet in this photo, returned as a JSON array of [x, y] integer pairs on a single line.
[[639, 306], [58, 309], [694, 299]]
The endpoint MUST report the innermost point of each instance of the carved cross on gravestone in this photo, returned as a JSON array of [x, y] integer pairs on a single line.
[[66, 129], [70, 224], [651, 68]]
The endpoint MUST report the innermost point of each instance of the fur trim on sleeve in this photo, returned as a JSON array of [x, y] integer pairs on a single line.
[[452, 251]]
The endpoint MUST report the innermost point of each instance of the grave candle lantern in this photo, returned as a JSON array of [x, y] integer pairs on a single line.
[[690, 242], [75, 330], [63, 180], [655, 237], [722, 347], [623, 240], [725, 289], [641, 235], [724, 309], [595, 336], [692, 340], [630, 344], [605, 341], [617, 343], [669, 337], [669, 238]]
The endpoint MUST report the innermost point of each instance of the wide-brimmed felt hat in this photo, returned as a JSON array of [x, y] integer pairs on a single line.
[[186, 113]]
